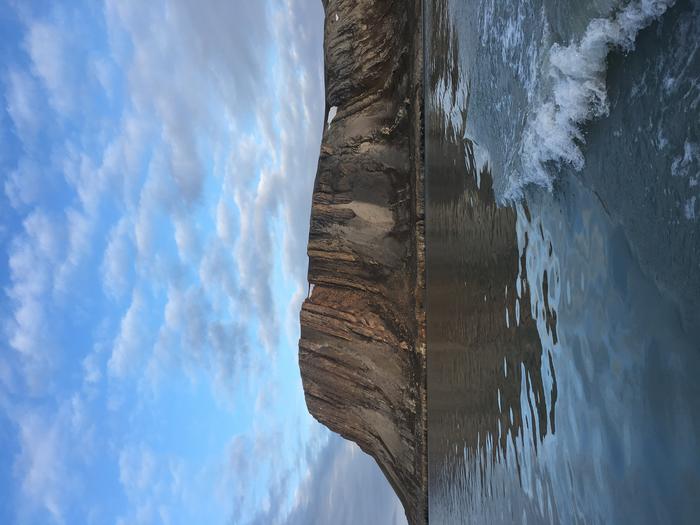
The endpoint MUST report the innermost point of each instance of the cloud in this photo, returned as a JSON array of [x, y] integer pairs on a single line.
[[92, 372], [200, 335], [182, 61], [248, 458], [46, 45], [200, 182], [40, 465], [186, 313], [231, 356], [23, 106], [116, 262], [123, 157], [47, 464], [31, 256], [137, 467], [79, 228], [217, 272], [342, 486], [130, 341], [147, 481], [44, 234], [225, 226], [300, 121], [253, 250], [103, 71], [186, 238], [201, 92]]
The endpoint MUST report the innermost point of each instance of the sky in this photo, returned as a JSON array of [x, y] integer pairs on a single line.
[[156, 168]]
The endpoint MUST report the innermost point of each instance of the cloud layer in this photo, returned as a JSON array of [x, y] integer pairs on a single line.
[[156, 194]]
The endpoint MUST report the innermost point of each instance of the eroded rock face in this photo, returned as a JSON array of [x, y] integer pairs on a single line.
[[362, 349]]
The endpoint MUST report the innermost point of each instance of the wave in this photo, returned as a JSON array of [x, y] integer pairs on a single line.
[[553, 134]]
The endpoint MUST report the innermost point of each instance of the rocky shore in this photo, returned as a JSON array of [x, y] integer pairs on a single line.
[[362, 348]]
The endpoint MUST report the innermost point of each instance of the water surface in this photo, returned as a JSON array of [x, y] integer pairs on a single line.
[[563, 261]]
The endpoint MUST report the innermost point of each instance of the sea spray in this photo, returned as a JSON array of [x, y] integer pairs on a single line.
[[553, 134]]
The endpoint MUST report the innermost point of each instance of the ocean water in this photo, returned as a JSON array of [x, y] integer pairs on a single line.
[[563, 261]]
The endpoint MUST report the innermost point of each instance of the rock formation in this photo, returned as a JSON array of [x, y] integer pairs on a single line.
[[362, 346]]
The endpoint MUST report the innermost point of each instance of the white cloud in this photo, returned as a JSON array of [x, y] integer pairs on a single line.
[[225, 226], [144, 230], [47, 48], [186, 239], [185, 313], [45, 235], [192, 84], [253, 252], [145, 480], [79, 228], [123, 157], [40, 465], [92, 372], [80, 174], [130, 342], [30, 322], [182, 339], [217, 273], [192, 80], [48, 460], [23, 104], [342, 485], [30, 259], [104, 73], [230, 362], [137, 467], [116, 262]]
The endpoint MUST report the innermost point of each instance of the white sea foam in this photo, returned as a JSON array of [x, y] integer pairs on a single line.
[[577, 94], [683, 165]]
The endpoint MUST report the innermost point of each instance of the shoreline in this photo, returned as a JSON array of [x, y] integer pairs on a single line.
[[417, 147]]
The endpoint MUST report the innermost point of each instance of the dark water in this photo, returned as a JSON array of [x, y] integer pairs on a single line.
[[563, 261]]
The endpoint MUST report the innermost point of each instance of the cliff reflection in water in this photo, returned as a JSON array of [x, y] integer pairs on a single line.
[[483, 341]]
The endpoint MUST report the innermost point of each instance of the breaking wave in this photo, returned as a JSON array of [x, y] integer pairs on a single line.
[[576, 73]]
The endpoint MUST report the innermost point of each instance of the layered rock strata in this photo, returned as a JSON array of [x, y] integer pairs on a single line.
[[362, 346]]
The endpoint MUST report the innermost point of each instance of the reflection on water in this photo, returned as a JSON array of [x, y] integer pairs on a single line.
[[484, 344], [563, 351]]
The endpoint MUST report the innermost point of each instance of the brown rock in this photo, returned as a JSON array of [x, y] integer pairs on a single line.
[[362, 346]]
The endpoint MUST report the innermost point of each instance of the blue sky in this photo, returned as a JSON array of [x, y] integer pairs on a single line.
[[157, 160]]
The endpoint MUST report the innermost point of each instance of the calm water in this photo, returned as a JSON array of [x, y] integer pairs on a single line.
[[563, 261]]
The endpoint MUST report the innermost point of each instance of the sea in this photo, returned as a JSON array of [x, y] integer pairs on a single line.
[[562, 164]]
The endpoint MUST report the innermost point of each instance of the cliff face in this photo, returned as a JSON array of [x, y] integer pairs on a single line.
[[362, 346]]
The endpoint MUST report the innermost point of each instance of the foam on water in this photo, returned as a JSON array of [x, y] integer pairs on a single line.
[[682, 165], [553, 134]]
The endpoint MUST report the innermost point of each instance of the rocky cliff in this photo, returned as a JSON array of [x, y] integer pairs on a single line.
[[362, 346]]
